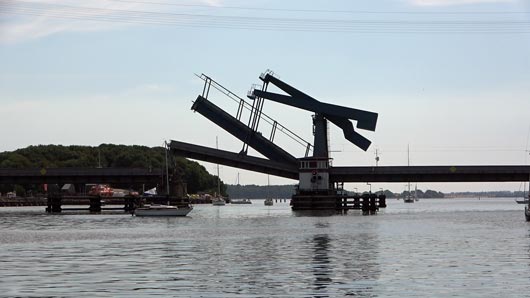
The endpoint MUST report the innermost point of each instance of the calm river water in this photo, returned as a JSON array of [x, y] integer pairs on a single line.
[[432, 248]]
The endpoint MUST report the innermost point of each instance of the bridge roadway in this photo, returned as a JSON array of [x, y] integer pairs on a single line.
[[449, 173], [80, 175], [337, 174], [431, 174]]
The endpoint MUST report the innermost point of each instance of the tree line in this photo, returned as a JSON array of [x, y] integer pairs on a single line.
[[286, 191], [105, 156]]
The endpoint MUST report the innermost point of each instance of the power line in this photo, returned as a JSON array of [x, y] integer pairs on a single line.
[[22, 5], [326, 10], [262, 23]]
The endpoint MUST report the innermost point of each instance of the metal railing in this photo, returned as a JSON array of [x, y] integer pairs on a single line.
[[242, 104]]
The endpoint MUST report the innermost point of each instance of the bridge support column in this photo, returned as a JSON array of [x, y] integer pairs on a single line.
[[54, 204], [356, 202], [95, 204], [365, 203], [373, 203], [130, 203], [382, 201]]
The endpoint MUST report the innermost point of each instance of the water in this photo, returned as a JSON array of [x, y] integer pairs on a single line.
[[432, 248]]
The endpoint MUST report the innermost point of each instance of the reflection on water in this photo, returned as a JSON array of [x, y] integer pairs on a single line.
[[321, 261], [432, 249], [345, 264]]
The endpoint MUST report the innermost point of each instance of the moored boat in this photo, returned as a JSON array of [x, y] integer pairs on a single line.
[[241, 201], [218, 202], [162, 210], [408, 200], [268, 202]]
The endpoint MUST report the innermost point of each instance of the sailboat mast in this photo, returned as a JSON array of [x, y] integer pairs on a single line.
[[218, 179], [167, 169], [268, 186], [408, 164]]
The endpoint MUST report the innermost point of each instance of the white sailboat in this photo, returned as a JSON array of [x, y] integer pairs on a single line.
[[268, 201], [162, 210], [218, 199], [240, 201], [408, 198], [526, 197]]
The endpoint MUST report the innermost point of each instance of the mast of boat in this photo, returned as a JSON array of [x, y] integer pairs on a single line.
[[167, 169], [218, 179], [527, 197], [268, 186], [408, 165]]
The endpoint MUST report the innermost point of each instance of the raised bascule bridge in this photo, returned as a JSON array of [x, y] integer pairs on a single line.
[[320, 184]]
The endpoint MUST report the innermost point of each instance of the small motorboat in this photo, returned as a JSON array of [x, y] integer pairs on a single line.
[[268, 202], [162, 210]]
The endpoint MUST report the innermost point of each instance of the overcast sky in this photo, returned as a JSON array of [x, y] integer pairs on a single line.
[[449, 78]]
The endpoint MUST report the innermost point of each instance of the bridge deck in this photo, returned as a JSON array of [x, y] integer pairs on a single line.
[[501, 173], [504, 173], [458, 173], [235, 160], [80, 175]]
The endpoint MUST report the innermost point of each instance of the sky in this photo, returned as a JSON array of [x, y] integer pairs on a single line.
[[450, 79]]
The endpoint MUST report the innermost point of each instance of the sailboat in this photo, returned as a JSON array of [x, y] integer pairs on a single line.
[[268, 201], [527, 207], [163, 210], [218, 199], [240, 201], [408, 198], [525, 199]]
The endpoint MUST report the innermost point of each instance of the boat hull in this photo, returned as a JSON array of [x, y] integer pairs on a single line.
[[243, 201], [162, 212]]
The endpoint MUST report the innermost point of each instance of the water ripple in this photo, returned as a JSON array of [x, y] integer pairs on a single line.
[[424, 250]]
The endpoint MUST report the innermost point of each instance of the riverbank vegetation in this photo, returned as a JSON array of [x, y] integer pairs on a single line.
[[104, 156], [285, 191]]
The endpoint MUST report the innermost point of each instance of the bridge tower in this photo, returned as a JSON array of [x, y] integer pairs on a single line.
[[315, 189]]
